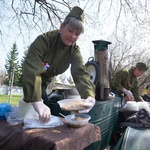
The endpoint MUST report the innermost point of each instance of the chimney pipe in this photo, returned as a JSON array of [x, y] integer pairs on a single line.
[[101, 56]]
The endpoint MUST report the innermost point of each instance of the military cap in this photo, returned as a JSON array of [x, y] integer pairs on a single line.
[[77, 12], [141, 66]]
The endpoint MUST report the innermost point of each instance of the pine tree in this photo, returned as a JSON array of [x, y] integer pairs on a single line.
[[12, 66], [22, 60]]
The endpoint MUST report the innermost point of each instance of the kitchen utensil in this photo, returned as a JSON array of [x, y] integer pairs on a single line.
[[62, 115]]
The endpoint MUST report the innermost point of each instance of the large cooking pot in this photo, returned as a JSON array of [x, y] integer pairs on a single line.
[[59, 94], [66, 93]]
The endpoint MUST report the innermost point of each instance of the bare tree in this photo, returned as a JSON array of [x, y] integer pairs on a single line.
[[124, 23], [41, 14]]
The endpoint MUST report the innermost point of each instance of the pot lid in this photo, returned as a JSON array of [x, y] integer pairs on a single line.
[[93, 70]]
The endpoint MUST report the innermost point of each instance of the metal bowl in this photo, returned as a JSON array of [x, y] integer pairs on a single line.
[[77, 120]]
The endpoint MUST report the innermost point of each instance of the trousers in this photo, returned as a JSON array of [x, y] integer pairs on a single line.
[[44, 94]]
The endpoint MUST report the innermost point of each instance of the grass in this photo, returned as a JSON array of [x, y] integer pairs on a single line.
[[14, 99]]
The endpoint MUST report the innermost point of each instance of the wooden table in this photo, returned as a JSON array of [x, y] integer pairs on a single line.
[[13, 137]]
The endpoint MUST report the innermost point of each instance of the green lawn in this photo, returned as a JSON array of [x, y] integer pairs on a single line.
[[14, 99]]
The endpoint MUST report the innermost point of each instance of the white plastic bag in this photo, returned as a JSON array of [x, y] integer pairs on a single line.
[[12, 117], [24, 108], [31, 120], [17, 114]]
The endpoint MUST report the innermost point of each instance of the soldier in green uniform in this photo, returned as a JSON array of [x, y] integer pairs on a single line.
[[51, 54], [124, 82]]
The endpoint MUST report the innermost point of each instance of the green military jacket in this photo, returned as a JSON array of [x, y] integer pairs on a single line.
[[125, 79], [48, 48]]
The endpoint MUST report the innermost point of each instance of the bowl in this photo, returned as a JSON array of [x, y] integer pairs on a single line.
[[132, 106], [143, 105], [77, 120]]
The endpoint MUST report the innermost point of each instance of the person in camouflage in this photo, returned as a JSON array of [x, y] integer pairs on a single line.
[[146, 96], [51, 54], [125, 83]]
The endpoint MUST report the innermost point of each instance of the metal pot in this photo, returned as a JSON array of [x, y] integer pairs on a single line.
[[59, 94], [70, 93]]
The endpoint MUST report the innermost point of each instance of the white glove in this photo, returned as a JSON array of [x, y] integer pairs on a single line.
[[42, 110], [129, 94], [89, 103]]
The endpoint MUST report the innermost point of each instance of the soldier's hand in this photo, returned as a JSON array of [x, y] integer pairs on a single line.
[[89, 103], [129, 94], [43, 111]]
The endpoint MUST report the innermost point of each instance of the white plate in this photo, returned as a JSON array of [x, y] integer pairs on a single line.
[[72, 104]]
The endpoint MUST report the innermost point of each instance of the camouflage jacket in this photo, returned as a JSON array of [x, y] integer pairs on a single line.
[[125, 79]]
